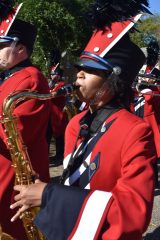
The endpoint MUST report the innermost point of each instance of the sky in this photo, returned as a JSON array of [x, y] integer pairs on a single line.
[[154, 6]]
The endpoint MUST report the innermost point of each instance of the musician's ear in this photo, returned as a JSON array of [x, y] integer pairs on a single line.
[[21, 49]]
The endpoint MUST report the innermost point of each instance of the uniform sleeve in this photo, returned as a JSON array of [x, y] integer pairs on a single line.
[[152, 115], [33, 114], [59, 118], [124, 213]]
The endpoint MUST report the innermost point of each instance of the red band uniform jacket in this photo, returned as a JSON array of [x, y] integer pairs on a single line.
[[108, 195], [33, 119], [58, 117], [147, 107]]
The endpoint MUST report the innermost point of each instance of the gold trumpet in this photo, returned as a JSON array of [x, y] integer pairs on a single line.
[[24, 173]]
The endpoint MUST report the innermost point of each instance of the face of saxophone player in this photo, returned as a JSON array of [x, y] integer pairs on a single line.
[[93, 87], [11, 55]]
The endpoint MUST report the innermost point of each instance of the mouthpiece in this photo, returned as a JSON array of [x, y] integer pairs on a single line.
[[67, 89]]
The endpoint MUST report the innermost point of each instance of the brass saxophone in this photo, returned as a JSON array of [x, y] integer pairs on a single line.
[[24, 173], [70, 107], [5, 236]]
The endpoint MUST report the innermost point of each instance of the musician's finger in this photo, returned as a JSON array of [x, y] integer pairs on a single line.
[[17, 187], [18, 197], [37, 180], [20, 212], [16, 204]]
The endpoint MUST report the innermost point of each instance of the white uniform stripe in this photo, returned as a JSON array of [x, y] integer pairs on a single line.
[[92, 215], [77, 173], [67, 158], [84, 148], [88, 186], [139, 105], [136, 18], [14, 16], [81, 169], [77, 149], [140, 101]]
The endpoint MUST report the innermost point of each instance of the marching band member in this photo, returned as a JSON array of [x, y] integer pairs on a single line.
[[147, 98], [58, 117], [152, 54], [56, 77], [106, 189], [17, 39]]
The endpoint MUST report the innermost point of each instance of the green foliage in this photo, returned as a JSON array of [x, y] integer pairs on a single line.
[[61, 24], [149, 26]]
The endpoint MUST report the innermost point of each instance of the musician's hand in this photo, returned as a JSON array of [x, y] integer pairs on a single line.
[[28, 196]]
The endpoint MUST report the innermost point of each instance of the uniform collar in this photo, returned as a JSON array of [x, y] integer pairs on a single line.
[[93, 121], [8, 73]]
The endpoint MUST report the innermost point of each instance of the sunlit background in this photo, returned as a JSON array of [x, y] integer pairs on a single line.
[[154, 6]]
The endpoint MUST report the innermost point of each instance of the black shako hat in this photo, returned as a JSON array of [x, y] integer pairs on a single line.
[[110, 48], [24, 31], [13, 29]]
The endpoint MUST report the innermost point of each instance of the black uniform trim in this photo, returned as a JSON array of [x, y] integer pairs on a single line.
[[84, 178], [90, 124]]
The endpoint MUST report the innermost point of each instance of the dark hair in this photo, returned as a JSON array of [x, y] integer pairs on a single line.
[[122, 90]]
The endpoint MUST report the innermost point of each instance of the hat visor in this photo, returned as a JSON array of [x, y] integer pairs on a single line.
[[5, 39], [89, 63]]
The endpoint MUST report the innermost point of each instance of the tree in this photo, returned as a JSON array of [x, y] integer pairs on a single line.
[[149, 26], [61, 24]]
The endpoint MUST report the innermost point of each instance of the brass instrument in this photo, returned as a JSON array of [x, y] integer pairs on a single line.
[[70, 107], [5, 236], [150, 76], [146, 81], [24, 174]]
